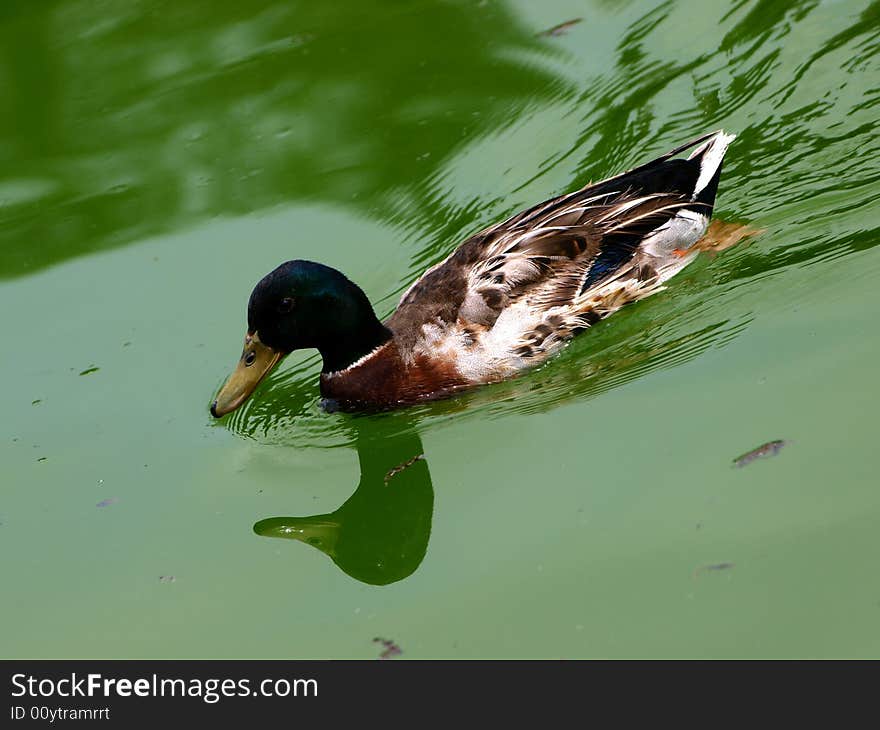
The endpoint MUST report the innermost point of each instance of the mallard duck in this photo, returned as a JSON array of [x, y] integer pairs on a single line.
[[504, 301]]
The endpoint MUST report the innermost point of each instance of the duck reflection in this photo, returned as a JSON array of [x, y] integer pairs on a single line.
[[380, 534]]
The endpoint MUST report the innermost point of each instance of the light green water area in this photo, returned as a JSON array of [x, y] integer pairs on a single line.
[[157, 158]]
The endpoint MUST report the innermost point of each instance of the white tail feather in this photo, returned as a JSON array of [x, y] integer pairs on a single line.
[[713, 152]]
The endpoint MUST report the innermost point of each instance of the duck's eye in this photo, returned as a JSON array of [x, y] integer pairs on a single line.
[[249, 358], [285, 305]]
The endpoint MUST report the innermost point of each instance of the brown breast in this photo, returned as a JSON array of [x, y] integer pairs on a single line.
[[386, 380]]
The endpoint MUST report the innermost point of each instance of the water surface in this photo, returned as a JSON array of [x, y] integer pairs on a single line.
[[158, 159]]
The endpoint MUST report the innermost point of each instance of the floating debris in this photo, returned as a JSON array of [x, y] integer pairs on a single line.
[[714, 567], [43, 458], [719, 566], [400, 467], [107, 502], [771, 448], [36, 401], [90, 370], [391, 649], [560, 29], [167, 579]]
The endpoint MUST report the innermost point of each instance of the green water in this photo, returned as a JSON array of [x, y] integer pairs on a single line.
[[157, 158]]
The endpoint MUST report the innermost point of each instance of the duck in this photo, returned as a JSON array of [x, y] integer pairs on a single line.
[[505, 301]]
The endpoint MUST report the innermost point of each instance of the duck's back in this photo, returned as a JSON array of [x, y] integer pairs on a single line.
[[512, 295]]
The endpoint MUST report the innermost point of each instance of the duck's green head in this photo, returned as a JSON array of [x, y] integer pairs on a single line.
[[299, 305]]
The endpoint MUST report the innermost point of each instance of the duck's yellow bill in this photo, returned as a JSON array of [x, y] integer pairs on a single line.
[[256, 361]]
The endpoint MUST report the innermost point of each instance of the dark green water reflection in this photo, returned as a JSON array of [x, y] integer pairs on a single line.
[[127, 121]]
